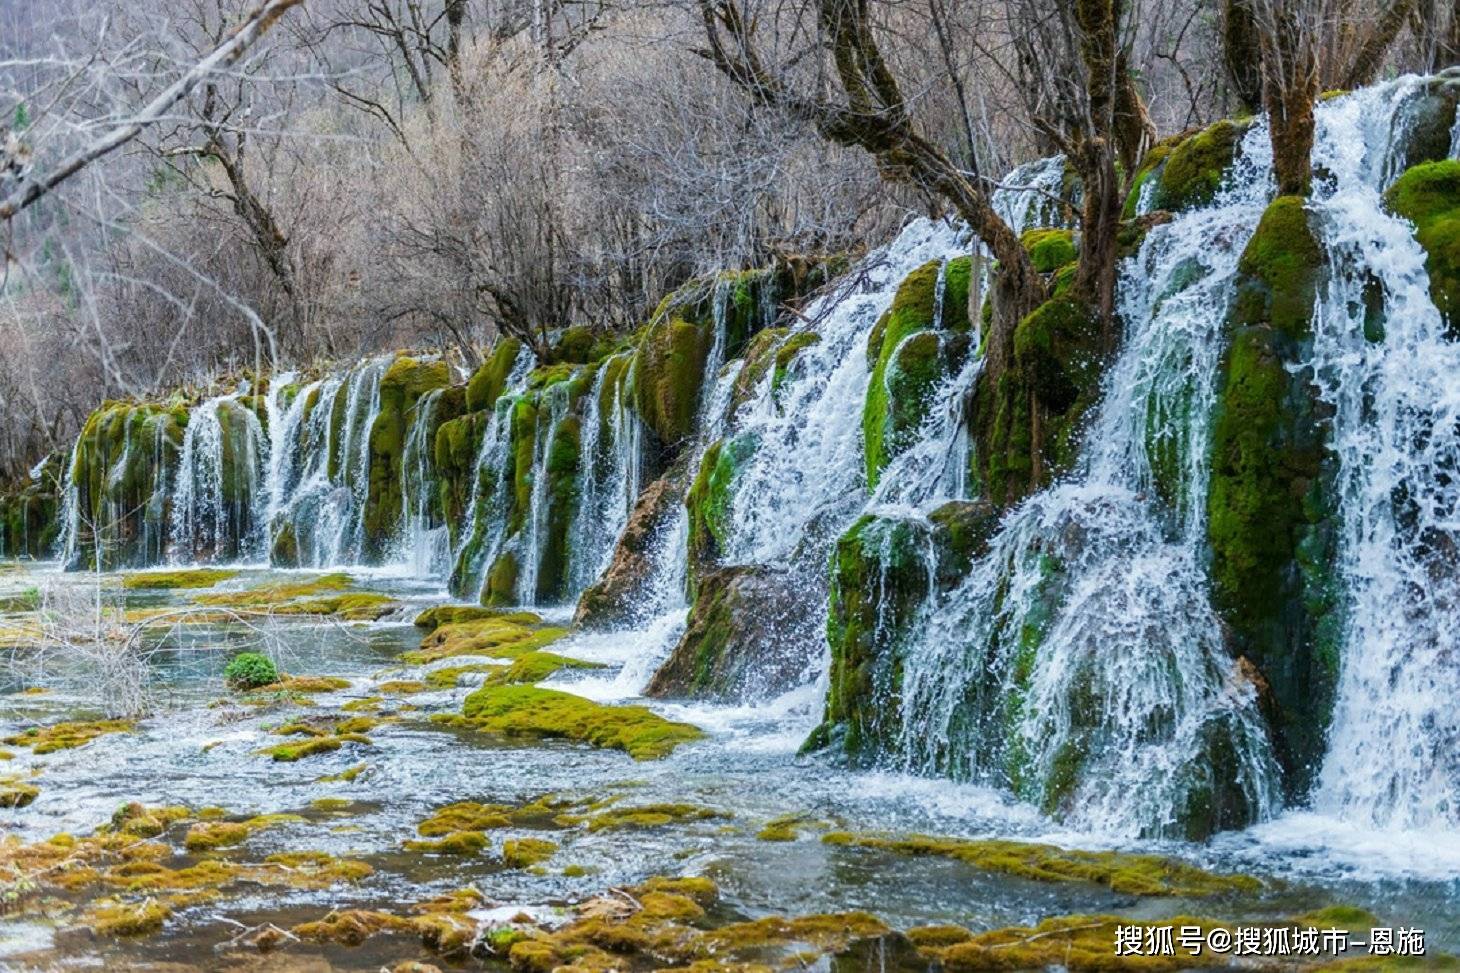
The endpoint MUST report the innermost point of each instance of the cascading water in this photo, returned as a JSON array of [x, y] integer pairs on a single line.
[[608, 482], [423, 543], [219, 483], [485, 522], [533, 538], [807, 468], [1080, 660], [320, 469], [1394, 743]]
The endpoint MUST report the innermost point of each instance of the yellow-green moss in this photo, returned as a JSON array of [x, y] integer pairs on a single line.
[[650, 816], [67, 735], [186, 578], [1428, 195], [535, 667], [1049, 249], [1125, 873], [452, 843], [526, 852], [1195, 168], [14, 793], [500, 636], [530, 711]]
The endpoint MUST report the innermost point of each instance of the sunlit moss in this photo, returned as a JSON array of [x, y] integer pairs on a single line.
[[1121, 872], [534, 712], [65, 736], [453, 843], [185, 578], [524, 852]]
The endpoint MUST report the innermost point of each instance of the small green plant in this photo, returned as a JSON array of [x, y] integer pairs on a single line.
[[250, 670]]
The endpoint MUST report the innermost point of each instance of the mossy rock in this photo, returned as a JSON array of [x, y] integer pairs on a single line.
[[489, 381], [878, 580], [742, 640], [914, 346], [1049, 249], [576, 344], [1270, 509], [401, 387], [668, 375], [1428, 195], [710, 498], [1194, 170], [1027, 423], [501, 586], [532, 712]]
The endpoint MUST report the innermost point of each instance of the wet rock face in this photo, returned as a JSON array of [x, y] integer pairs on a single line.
[[746, 638], [611, 601], [1270, 505]]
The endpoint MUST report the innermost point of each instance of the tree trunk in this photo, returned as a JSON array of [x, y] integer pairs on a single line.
[[1289, 104], [1242, 52]]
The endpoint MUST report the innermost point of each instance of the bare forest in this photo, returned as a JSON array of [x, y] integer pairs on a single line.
[[360, 175]]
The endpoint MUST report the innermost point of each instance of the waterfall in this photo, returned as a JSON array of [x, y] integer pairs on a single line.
[[1394, 743], [1114, 700], [608, 481], [485, 520], [807, 470], [218, 482], [551, 412], [423, 544], [319, 470]]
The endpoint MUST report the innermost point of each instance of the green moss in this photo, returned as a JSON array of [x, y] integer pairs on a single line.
[[273, 594], [454, 843], [1049, 249], [489, 381], [711, 496], [907, 358], [1195, 168], [526, 852], [465, 816], [67, 735], [877, 580], [669, 367], [535, 667], [186, 578], [576, 344], [529, 711], [501, 586], [1269, 520], [401, 388], [787, 353], [1428, 195], [1124, 873]]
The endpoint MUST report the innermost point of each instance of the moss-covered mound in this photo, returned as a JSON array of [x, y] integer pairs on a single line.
[[917, 344], [1194, 169], [123, 462], [30, 510], [500, 636], [532, 712], [1269, 505], [1428, 195], [185, 578], [1129, 874], [489, 381]]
